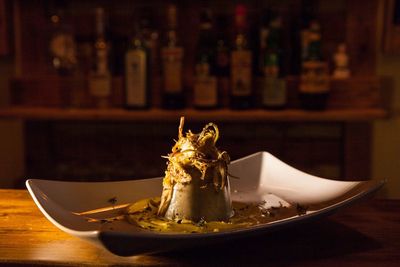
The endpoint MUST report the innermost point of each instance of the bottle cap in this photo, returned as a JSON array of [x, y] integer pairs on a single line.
[[172, 16], [240, 16], [99, 20], [240, 10], [205, 19]]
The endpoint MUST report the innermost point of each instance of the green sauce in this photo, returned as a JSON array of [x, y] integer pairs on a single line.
[[143, 214]]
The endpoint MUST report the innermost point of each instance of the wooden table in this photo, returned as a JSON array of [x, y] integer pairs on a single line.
[[367, 234]]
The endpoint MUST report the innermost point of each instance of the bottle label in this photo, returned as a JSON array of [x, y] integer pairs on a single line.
[[205, 92], [102, 61], [135, 78], [274, 92], [172, 65], [271, 67], [263, 37], [62, 45], [100, 85], [241, 73], [314, 77], [222, 59]]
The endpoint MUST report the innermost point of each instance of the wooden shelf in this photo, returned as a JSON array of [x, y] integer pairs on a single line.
[[338, 115]]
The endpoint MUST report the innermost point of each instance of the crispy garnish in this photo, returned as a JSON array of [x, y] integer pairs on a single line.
[[194, 155]]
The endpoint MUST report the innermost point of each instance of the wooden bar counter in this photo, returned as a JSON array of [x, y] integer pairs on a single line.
[[366, 234]]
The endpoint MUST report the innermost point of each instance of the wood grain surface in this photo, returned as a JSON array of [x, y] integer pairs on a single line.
[[367, 234]]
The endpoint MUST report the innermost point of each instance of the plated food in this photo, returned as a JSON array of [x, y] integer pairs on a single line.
[[196, 194], [195, 186], [264, 199]]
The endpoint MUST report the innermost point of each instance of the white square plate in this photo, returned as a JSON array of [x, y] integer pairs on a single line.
[[261, 175]]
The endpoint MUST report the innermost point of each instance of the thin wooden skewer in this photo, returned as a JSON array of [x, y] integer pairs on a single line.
[[101, 209]]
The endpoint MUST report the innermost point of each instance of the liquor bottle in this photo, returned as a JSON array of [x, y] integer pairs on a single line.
[[150, 36], [263, 37], [137, 73], [62, 45], [273, 82], [151, 39], [100, 76], [205, 91], [118, 45], [241, 95], [341, 60], [222, 59], [314, 80], [172, 59]]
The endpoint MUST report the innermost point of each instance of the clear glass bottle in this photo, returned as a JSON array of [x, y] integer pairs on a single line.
[[62, 45], [100, 79], [137, 73]]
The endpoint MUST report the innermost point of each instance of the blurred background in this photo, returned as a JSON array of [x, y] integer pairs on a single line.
[[93, 90]]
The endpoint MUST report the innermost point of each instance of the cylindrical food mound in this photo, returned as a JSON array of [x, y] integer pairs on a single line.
[[195, 186]]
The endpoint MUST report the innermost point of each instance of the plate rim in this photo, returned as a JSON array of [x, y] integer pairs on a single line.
[[374, 185]]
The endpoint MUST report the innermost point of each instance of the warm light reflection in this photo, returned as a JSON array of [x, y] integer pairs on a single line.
[[64, 249]]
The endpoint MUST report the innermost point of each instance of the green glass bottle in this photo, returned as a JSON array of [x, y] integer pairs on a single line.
[[205, 90], [273, 83], [241, 95]]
